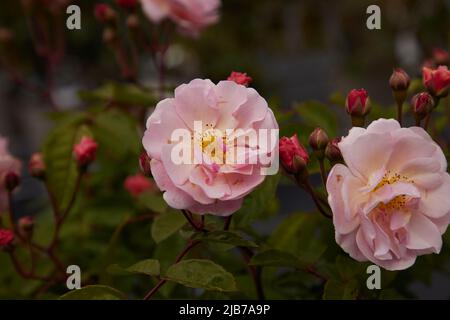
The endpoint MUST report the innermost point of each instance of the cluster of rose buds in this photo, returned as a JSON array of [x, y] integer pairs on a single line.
[[294, 157]]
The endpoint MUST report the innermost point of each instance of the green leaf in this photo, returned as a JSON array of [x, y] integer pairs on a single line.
[[62, 170], [300, 235], [315, 114], [166, 224], [95, 292], [148, 267], [119, 93], [152, 201], [259, 204], [226, 237], [117, 133], [349, 268], [205, 274], [337, 290], [275, 258]]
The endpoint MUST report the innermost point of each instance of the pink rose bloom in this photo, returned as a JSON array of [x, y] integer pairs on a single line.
[[391, 202], [7, 163], [211, 185], [137, 184], [192, 16]]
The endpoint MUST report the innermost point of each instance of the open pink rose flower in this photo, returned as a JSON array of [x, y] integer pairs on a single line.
[[192, 16], [391, 203], [7, 164], [213, 180]]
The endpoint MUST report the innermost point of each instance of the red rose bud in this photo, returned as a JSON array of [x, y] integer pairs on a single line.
[[127, 4], [11, 180], [436, 81], [36, 166], [422, 104], [293, 155], [104, 13], [240, 78], [144, 163], [26, 225], [440, 56], [332, 151], [6, 239], [137, 184], [399, 80], [318, 139], [357, 105], [85, 151], [357, 102]]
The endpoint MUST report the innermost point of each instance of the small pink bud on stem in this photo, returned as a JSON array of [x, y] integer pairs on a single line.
[[357, 105], [399, 82]]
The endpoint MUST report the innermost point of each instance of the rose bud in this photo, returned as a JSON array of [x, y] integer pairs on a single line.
[[318, 139], [332, 151], [293, 155], [11, 180], [144, 163], [26, 225], [137, 184], [436, 81], [127, 4], [104, 13], [422, 104], [85, 151], [357, 105], [240, 78], [6, 239], [440, 56], [399, 80], [36, 166]]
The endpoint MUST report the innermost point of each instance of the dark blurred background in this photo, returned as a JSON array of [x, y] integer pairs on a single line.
[[294, 50]]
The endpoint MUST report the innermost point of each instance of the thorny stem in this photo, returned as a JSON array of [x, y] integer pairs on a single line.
[[189, 246]]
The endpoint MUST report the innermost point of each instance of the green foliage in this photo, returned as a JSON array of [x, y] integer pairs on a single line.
[[96, 292], [62, 170], [126, 94], [149, 267], [336, 290], [260, 204], [226, 237], [203, 274], [166, 224]]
